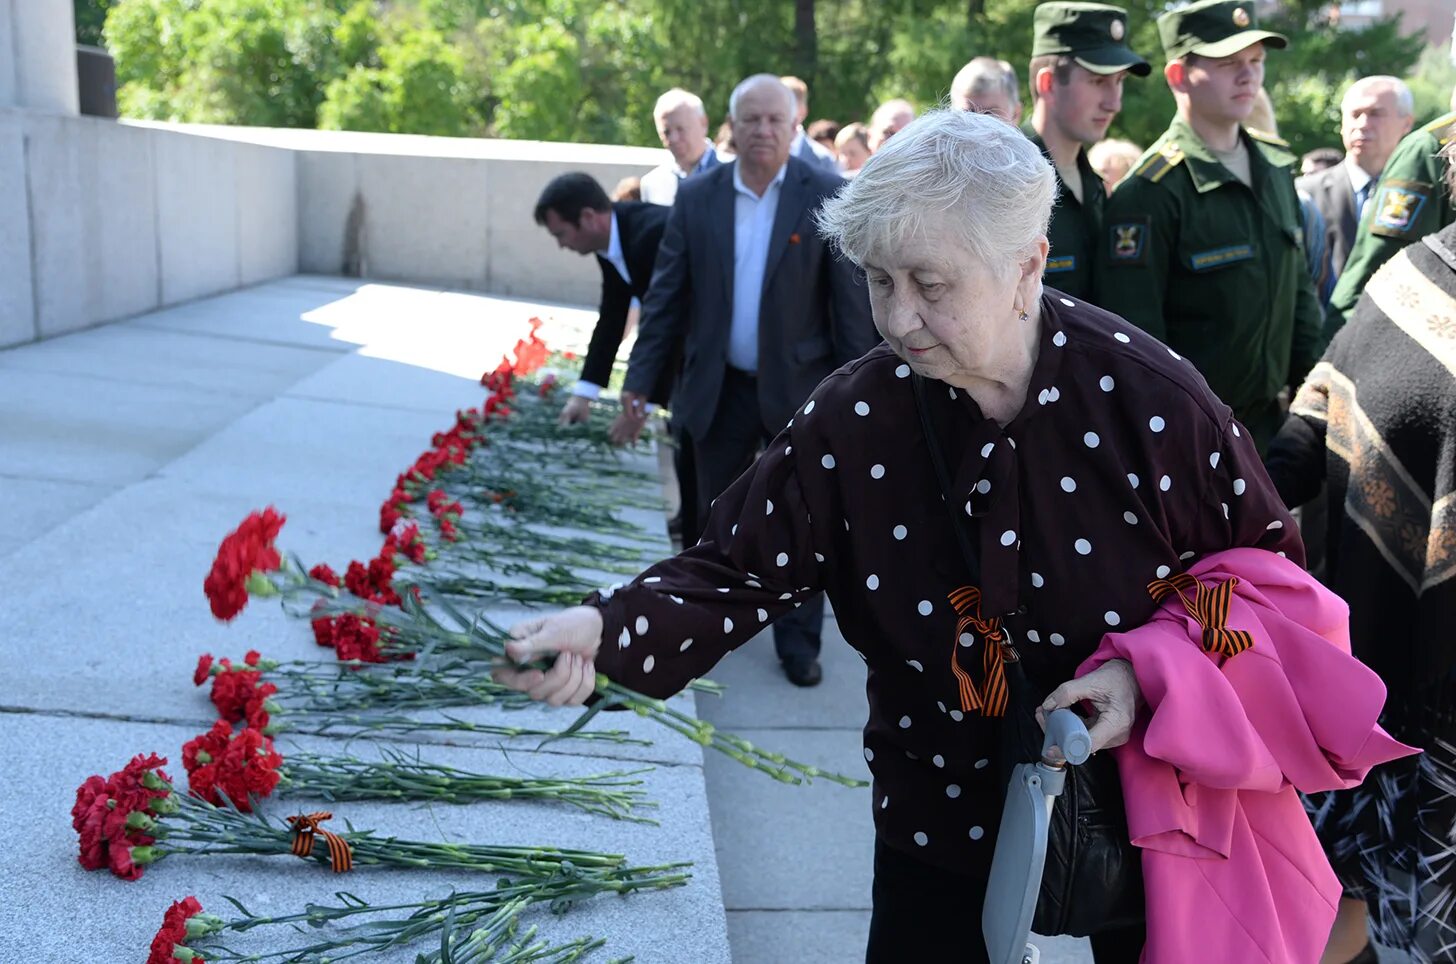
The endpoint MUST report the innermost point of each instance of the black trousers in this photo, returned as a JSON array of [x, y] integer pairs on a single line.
[[727, 451], [938, 913]]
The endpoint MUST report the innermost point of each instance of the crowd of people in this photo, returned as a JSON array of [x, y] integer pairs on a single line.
[[1130, 376]]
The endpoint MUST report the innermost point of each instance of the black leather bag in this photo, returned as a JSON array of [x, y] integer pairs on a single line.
[[1092, 880]]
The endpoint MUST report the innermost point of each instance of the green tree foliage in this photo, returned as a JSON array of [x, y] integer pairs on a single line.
[[90, 17], [589, 70]]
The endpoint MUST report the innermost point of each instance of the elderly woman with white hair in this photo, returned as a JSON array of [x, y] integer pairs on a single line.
[[1082, 460]]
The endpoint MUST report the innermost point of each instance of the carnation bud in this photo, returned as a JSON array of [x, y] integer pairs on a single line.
[[200, 925], [185, 954], [151, 781], [258, 584], [161, 806], [141, 856], [136, 820]]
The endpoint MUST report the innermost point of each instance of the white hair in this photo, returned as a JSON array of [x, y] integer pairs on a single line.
[[675, 98], [1405, 103], [971, 171], [986, 74], [748, 83]]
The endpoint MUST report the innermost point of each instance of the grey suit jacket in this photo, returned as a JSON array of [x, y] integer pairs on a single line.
[[812, 152], [1334, 196], [814, 315]]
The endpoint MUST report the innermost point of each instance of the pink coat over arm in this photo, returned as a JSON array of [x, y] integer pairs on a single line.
[[1232, 869]]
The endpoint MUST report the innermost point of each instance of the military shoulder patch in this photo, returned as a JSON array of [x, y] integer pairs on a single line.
[[1267, 138], [1127, 241], [1443, 128], [1398, 207], [1156, 164]]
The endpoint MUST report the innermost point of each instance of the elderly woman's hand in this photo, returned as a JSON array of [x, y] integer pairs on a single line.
[[1113, 691], [574, 635]]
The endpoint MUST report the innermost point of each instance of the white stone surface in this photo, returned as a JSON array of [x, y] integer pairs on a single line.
[[94, 216], [129, 451], [38, 56], [17, 297], [197, 216], [267, 204]]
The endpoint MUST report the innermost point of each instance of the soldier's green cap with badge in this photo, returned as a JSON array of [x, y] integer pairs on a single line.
[[1213, 28], [1092, 34]]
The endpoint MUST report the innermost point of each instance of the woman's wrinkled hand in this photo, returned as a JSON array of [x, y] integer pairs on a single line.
[[1113, 691], [573, 635]]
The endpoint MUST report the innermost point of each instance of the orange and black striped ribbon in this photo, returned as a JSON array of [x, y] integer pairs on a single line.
[[306, 826], [1209, 605], [990, 698]]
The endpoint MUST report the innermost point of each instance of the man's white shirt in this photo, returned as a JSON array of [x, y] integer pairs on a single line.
[[617, 258], [753, 220]]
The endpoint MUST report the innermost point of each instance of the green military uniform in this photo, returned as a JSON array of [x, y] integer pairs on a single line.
[[1076, 228], [1409, 203], [1092, 34], [1211, 266]]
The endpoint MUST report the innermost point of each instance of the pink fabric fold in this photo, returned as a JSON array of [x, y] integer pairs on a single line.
[[1232, 867]]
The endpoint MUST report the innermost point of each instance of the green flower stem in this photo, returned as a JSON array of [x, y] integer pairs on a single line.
[[199, 827], [400, 777]]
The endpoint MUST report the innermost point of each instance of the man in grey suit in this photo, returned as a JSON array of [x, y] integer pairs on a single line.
[[764, 310], [804, 147], [1375, 113]]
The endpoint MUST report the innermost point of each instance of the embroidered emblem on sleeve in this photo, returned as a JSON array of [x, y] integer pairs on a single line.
[[1398, 207], [1127, 243]]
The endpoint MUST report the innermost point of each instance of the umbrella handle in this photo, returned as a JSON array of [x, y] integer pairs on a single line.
[[1066, 731]]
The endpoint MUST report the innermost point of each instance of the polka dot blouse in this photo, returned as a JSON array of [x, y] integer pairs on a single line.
[[1121, 468]]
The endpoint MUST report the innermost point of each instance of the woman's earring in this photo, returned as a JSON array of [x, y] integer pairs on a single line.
[[1021, 315]]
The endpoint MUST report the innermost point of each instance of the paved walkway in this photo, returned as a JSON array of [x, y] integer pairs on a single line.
[[126, 453]]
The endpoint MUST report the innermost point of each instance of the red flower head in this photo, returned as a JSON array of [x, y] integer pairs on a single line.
[[406, 542], [323, 631], [357, 638], [325, 575], [175, 931], [111, 816], [235, 688], [203, 670], [246, 550], [236, 765]]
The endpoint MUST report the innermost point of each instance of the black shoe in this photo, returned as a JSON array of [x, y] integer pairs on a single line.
[[803, 671]]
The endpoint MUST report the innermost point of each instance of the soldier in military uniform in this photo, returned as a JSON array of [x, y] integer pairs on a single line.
[[1204, 237], [1078, 63], [1410, 202]]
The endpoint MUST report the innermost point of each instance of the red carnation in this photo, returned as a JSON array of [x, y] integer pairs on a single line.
[[102, 814], [246, 550], [236, 765], [203, 670], [324, 574], [234, 689], [357, 639], [174, 932], [323, 631]]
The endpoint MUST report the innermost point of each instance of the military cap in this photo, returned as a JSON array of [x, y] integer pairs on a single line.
[[1213, 28], [1092, 34]]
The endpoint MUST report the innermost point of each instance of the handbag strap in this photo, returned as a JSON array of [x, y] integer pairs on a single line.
[[991, 696]]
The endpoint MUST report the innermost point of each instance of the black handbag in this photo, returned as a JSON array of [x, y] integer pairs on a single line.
[[1092, 880]]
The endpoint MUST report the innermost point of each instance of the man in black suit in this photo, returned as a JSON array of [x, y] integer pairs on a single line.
[[624, 237], [764, 311], [1375, 113]]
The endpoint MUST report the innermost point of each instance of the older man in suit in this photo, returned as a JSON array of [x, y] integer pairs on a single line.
[[682, 126], [764, 308], [1375, 113]]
